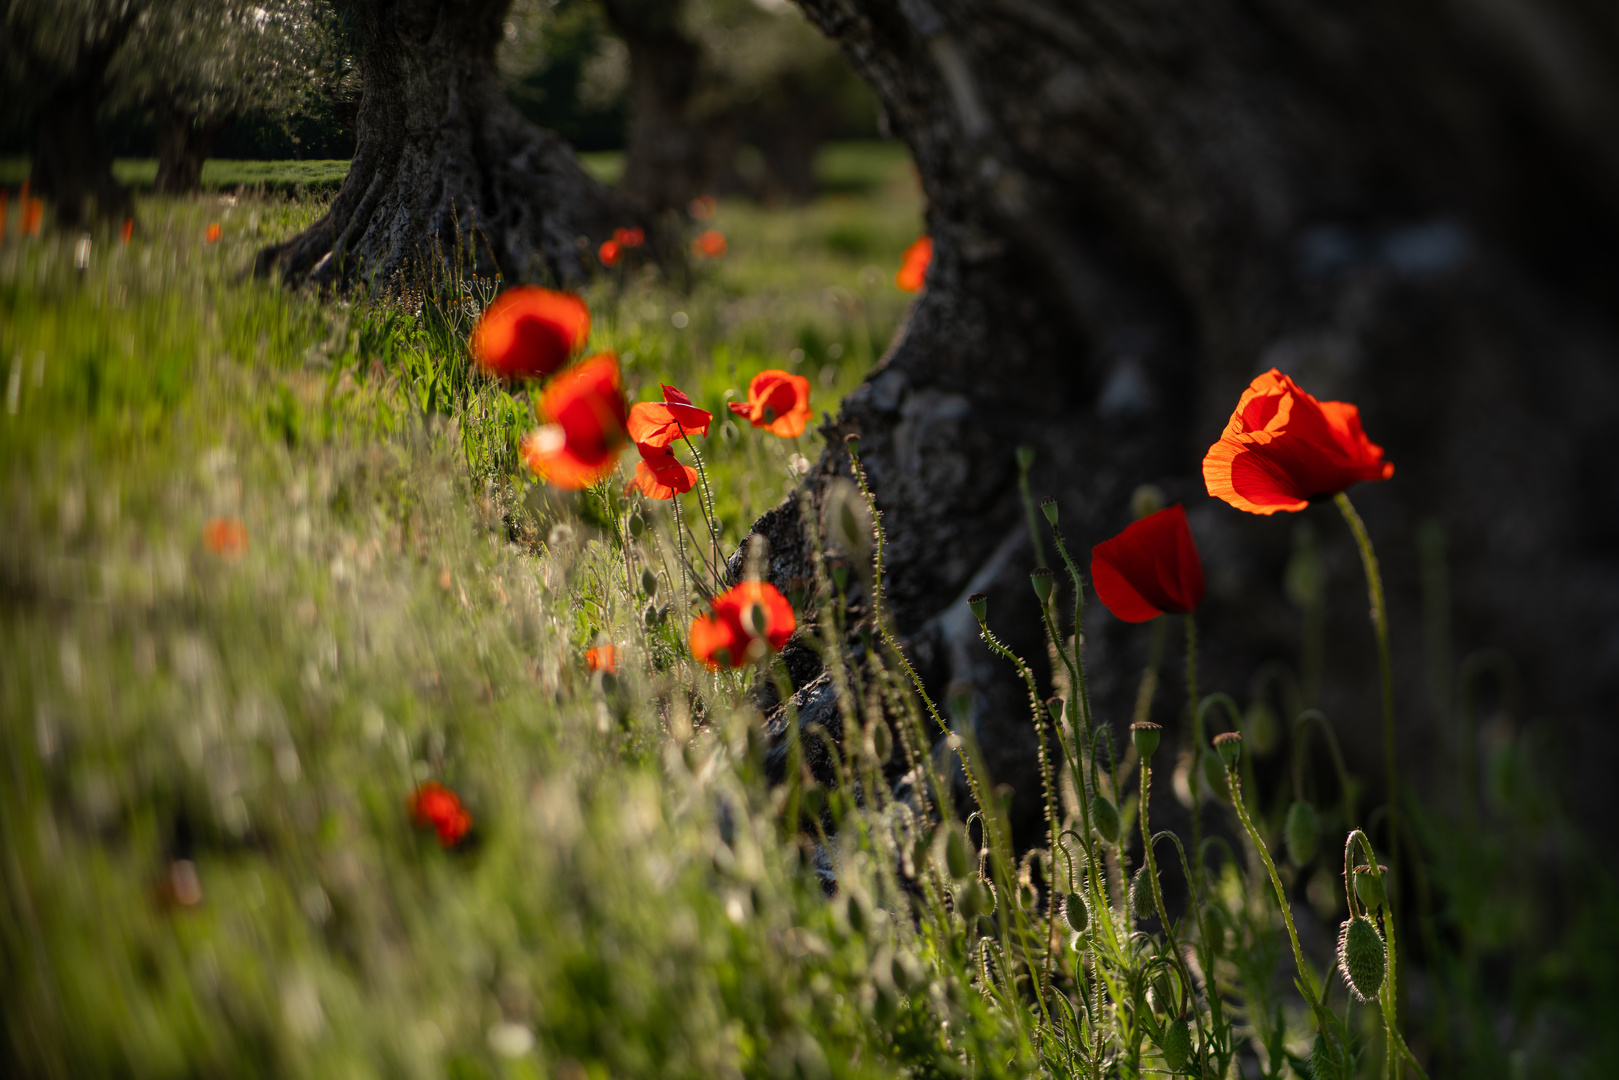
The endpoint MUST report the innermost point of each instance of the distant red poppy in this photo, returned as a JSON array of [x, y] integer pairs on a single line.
[[5, 201], [33, 212], [585, 409], [710, 244], [126, 231], [629, 238], [749, 620], [434, 806], [214, 233], [603, 658], [1283, 448], [913, 267], [661, 475], [777, 400], [703, 207], [226, 537], [529, 332], [659, 423], [1149, 569], [610, 252]]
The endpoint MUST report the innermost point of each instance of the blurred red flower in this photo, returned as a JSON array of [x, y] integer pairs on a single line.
[[703, 207], [609, 253], [659, 423], [913, 267], [225, 536], [5, 204], [749, 620], [214, 233], [32, 213], [127, 231], [603, 658], [434, 806], [777, 400], [661, 475], [529, 332], [1149, 569], [585, 409], [629, 238], [710, 244], [1283, 448]]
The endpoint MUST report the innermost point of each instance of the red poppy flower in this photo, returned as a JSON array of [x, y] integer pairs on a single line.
[[703, 207], [33, 212], [434, 806], [710, 244], [1283, 449], [629, 238], [1149, 569], [214, 233], [778, 400], [529, 332], [609, 253], [126, 231], [603, 658], [913, 267], [585, 407], [659, 423], [225, 536], [749, 620], [661, 475]]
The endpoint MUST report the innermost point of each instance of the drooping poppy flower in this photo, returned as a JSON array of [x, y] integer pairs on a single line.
[[214, 233], [126, 231], [434, 806], [603, 658], [1283, 448], [749, 620], [710, 244], [629, 238], [610, 253], [225, 537], [777, 400], [661, 475], [529, 332], [1150, 569], [659, 423], [585, 409], [913, 267]]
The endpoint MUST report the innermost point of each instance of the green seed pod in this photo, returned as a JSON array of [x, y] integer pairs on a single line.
[[652, 616], [1145, 735], [1303, 827], [978, 604], [957, 857], [1105, 816], [1043, 580], [1362, 957], [1048, 507], [1054, 709], [1228, 744], [1176, 1045], [1261, 727], [1025, 457], [649, 582], [1075, 911], [1368, 887], [637, 525]]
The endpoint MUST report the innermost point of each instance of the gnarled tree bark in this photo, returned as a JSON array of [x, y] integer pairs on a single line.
[[1136, 207], [184, 142], [445, 163]]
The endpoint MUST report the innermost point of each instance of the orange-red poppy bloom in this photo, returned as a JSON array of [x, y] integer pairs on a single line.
[[529, 332], [610, 253], [585, 409], [777, 400], [434, 806], [214, 233], [1149, 569], [749, 620], [127, 230], [1283, 449], [661, 475], [629, 238], [5, 205], [603, 658], [913, 267], [33, 212], [710, 244], [659, 423], [225, 536]]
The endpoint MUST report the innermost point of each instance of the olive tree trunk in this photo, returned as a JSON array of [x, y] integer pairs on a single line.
[[1136, 208], [444, 164], [184, 141], [71, 167], [667, 152]]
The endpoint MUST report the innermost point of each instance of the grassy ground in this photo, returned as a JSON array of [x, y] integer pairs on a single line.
[[208, 863]]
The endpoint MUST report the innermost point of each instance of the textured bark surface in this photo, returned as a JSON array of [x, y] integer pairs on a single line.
[[184, 142], [71, 166], [667, 152], [443, 160], [1136, 208]]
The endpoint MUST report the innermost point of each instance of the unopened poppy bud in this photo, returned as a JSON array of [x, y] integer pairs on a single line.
[[969, 900], [649, 582], [1228, 744], [1146, 501], [1369, 886], [1141, 892], [1054, 708], [1145, 734], [956, 856], [1076, 913], [978, 604], [1176, 1045], [1105, 817], [900, 972], [1362, 957], [1048, 507], [1042, 579], [1261, 727], [857, 915], [637, 525], [1025, 457], [1303, 827]]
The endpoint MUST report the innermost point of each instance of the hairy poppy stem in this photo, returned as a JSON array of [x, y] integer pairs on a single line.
[[1195, 775], [1305, 982]]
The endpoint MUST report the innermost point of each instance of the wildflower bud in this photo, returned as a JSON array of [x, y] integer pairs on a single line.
[[637, 525], [1054, 707], [857, 916], [1025, 457], [978, 603], [1141, 892], [649, 582], [1145, 734], [1228, 744], [1303, 827], [1362, 957], [1042, 579], [900, 972], [1176, 1045], [1324, 1065], [957, 858], [1048, 507], [1369, 886], [1262, 729], [1146, 501], [1105, 817], [1076, 913], [882, 742], [969, 900], [958, 701]]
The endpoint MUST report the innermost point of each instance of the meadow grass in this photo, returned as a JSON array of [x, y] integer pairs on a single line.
[[209, 867]]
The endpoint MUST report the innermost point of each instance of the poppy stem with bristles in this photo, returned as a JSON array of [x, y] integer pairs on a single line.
[[1306, 984], [1194, 777]]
